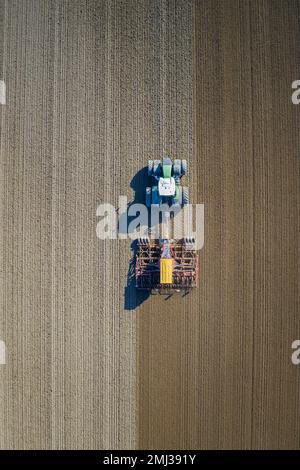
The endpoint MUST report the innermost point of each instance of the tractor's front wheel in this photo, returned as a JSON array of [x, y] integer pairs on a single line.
[[183, 167], [150, 167], [177, 169], [157, 168]]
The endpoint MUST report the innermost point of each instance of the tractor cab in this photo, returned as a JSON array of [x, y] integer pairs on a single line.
[[166, 187]]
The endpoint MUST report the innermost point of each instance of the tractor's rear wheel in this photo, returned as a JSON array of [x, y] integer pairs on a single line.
[[185, 196], [155, 197], [183, 167], [177, 169], [150, 167], [177, 199]]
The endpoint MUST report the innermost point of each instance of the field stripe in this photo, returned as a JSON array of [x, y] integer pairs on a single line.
[[2, 92]]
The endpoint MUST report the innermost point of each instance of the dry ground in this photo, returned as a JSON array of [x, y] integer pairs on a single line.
[[95, 88]]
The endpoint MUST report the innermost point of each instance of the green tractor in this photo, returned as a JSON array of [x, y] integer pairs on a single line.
[[167, 188]]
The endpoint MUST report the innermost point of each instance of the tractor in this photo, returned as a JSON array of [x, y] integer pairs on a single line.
[[166, 265], [167, 188]]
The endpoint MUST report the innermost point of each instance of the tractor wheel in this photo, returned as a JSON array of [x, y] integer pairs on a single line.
[[183, 167], [177, 169], [148, 197], [150, 167], [185, 196], [177, 199], [155, 196], [157, 168]]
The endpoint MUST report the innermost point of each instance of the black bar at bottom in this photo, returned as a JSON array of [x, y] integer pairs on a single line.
[[135, 458]]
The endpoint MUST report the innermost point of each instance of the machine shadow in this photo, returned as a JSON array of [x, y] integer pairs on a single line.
[[132, 296]]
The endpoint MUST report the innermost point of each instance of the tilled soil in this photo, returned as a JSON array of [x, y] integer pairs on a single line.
[[93, 89]]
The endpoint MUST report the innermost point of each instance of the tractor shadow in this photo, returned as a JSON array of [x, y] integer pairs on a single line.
[[132, 296]]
